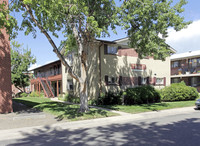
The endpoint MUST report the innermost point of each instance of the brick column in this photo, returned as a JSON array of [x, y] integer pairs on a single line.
[[5, 73]]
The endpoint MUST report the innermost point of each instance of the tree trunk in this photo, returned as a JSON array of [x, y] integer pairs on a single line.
[[83, 84], [83, 98], [83, 79]]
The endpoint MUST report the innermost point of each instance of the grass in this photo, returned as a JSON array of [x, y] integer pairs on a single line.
[[62, 110], [150, 107]]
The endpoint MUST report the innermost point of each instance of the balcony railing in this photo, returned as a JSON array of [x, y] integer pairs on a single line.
[[188, 70]]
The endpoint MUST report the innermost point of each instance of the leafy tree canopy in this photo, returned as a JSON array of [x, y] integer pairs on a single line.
[[21, 59], [146, 21]]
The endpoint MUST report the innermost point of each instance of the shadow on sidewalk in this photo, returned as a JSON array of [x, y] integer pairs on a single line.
[[185, 132]]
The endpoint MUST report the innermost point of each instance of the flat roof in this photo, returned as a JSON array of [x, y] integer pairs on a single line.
[[185, 55]]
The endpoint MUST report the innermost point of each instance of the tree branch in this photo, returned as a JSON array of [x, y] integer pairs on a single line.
[[55, 49]]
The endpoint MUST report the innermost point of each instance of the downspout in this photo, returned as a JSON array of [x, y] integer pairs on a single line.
[[100, 83]]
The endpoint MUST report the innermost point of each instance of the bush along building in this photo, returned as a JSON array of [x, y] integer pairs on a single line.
[[114, 66], [186, 67], [47, 79]]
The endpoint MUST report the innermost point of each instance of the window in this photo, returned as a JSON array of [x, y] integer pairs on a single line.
[[138, 67], [111, 80], [143, 81], [175, 64], [176, 80], [194, 62], [195, 81], [110, 49], [70, 85], [70, 59], [51, 71], [159, 81]]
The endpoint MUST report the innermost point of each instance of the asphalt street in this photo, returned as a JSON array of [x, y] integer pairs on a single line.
[[178, 127]]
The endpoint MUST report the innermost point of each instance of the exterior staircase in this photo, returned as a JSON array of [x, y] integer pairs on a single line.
[[47, 88]]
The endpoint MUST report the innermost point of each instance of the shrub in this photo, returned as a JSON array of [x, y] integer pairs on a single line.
[[23, 94], [141, 95], [34, 94], [110, 98], [71, 98], [179, 92]]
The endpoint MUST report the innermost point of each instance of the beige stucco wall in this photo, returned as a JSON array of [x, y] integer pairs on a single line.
[[93, 76], [114, 65]]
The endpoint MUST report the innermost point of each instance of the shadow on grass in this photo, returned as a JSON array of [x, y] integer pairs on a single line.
[[151, 107], [61, 110], [69, 111], [25, 102], [154, 106]]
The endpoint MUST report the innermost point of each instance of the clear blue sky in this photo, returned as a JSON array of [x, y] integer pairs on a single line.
[[42, 50]]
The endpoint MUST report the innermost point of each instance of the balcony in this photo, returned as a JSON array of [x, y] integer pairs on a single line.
[[186, 71]]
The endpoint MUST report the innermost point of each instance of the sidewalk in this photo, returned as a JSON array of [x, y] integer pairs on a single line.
[[25, 117], [18, 132]]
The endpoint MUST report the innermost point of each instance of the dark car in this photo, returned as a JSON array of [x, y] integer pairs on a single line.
[[197, 103]]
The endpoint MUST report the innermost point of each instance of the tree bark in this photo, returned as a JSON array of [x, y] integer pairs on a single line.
[[83, 85]]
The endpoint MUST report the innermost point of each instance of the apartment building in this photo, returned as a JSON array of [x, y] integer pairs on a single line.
[[48, 79], [186, 67], [114, 66]]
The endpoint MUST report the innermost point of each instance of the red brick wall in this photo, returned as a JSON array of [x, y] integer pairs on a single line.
[[5, 73], [127, 52]]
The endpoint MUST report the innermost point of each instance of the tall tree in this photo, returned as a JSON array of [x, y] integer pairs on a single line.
[[21, 59], [81, 21]]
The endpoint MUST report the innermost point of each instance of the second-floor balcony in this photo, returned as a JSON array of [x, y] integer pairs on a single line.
[[186, 71]]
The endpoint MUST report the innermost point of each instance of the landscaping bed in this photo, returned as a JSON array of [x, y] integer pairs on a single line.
[[62, 110]]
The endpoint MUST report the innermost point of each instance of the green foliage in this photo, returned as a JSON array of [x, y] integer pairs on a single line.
[[147, 20], [34, 94], [110, 98], [71, 98], [23, 94], [144, 20], [141, 95], [178, 92], [21, 59], [7, 21]]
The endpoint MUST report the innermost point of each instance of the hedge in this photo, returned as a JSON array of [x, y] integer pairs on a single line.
[[178, 92]]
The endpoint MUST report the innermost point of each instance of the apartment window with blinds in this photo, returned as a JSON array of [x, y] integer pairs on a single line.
[[110, 80], [159, 81], [110, 49]]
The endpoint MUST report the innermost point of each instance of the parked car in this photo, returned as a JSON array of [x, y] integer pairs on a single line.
[[197, 103]]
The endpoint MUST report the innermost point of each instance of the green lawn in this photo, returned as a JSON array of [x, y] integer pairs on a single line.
[[62, 110], [150, 107]]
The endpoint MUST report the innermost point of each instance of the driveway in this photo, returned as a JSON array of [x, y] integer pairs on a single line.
[[24, 116]]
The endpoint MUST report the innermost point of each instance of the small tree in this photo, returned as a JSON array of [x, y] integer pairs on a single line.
[[21, 59], [81, 21]]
